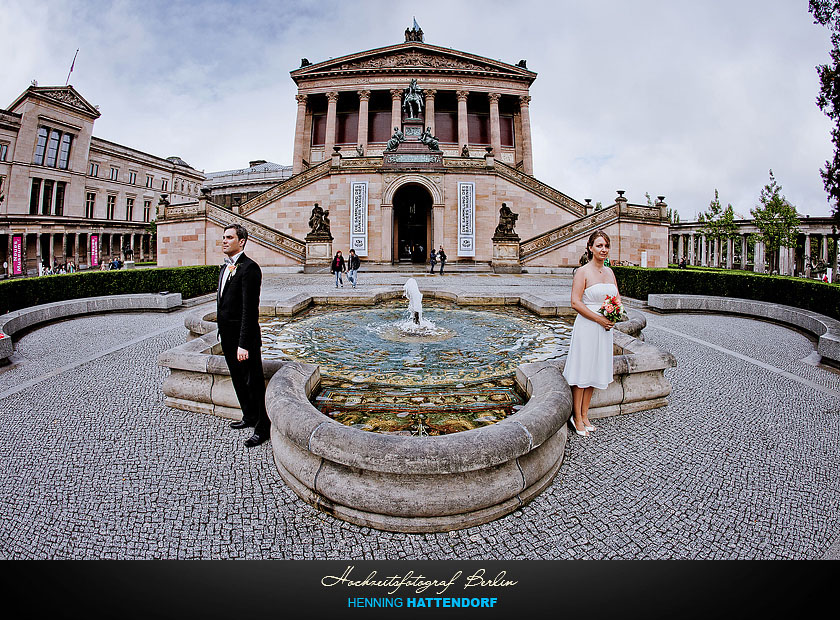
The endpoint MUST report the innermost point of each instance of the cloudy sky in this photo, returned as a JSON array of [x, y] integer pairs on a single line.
[[666, 97]]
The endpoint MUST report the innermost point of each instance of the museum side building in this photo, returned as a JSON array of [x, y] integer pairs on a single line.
[[405, 148], [68, 196]]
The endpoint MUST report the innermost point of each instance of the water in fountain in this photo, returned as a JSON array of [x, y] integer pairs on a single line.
[[413, 327], [449, 371]]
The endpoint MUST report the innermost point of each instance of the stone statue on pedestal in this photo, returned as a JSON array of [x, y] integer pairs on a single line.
[[395, 140], [319, 223], [413, 102], [429, 140], [507, 221]]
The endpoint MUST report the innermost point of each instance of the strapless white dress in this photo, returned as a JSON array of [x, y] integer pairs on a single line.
[[590, 360]]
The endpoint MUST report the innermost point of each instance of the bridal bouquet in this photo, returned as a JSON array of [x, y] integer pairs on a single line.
[[612, 309]]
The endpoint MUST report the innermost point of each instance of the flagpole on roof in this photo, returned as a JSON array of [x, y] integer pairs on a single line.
[[73, 64]]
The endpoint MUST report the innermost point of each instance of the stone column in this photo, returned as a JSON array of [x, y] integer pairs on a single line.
[[495, 126], [329, 141], [300, 134], [387, 238], [396, 108], [463, 133], [430, 108], [361, 139], [807, 258], [527, 153], [704, 255], [691, 249], [824, 248], [730, 250], [680, 247], [745, 248], [50, 249], [63, 247], [76, 248], [758, 252]]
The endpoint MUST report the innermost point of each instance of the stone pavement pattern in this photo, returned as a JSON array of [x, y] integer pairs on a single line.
[[741, 464]]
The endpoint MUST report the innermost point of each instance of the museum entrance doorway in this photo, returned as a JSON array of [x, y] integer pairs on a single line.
[[412, 224]]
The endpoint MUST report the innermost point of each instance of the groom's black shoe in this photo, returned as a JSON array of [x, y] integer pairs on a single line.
[[241, 424], [255, 440]]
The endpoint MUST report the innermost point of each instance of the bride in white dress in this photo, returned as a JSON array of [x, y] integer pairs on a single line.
[[589, 364]]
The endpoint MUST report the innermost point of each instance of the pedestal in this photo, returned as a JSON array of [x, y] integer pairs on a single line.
[[129, 264], [506, 256], [318, 255]]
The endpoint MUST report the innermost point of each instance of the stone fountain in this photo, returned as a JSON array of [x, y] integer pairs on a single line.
[[403, 480]]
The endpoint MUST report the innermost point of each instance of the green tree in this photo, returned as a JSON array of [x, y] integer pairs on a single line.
[[718, 223], [776, 219], [827, 13]]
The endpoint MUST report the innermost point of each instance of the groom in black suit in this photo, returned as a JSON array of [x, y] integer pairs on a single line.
[[237, 314]]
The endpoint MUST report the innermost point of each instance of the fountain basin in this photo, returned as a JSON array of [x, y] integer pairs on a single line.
[[414, 484]]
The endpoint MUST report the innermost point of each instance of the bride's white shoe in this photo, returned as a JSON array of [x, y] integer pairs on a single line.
[[583, 433]]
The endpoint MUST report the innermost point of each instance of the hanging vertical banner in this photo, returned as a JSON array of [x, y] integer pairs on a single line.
[[17, 255], [359, 217], [94, 251], [466, 219]]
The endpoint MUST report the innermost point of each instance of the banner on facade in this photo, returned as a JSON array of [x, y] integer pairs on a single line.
[[466, 219], [94, 251], [359, 217], [17, 255]]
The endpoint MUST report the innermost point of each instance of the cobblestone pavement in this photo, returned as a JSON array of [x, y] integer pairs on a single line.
[[741, 464]]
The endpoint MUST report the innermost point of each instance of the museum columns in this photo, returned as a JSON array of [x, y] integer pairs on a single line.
[[463, 132], [495, 128], [744, 251], [396, 108], [430, 109], [297, 158], [525, 119], [806, 261], [332, 103], [361, 138]]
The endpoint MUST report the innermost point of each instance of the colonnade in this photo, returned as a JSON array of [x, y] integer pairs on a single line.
[[303, 124], [703, 251], [49, 248]]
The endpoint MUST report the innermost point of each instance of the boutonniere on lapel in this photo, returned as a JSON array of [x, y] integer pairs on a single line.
[[232, 270]]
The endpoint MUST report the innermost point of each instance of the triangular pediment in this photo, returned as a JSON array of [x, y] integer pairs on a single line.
[[409, 57], [65, 96]]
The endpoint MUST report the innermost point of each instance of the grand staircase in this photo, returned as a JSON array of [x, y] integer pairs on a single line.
[[567, 233]]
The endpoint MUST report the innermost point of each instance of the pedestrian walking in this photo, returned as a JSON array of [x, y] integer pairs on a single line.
[[353, 264], [338, 267]]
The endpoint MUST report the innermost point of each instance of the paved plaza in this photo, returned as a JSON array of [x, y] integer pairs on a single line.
[[741, 464]]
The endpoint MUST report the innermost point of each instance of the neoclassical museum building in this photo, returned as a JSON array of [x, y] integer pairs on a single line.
[[68, 196], [404, 148]]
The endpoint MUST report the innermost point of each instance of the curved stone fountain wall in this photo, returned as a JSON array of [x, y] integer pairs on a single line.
[[414, 484]]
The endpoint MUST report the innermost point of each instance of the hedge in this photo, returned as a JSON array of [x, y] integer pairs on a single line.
[[26, 292], [803, 293]]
